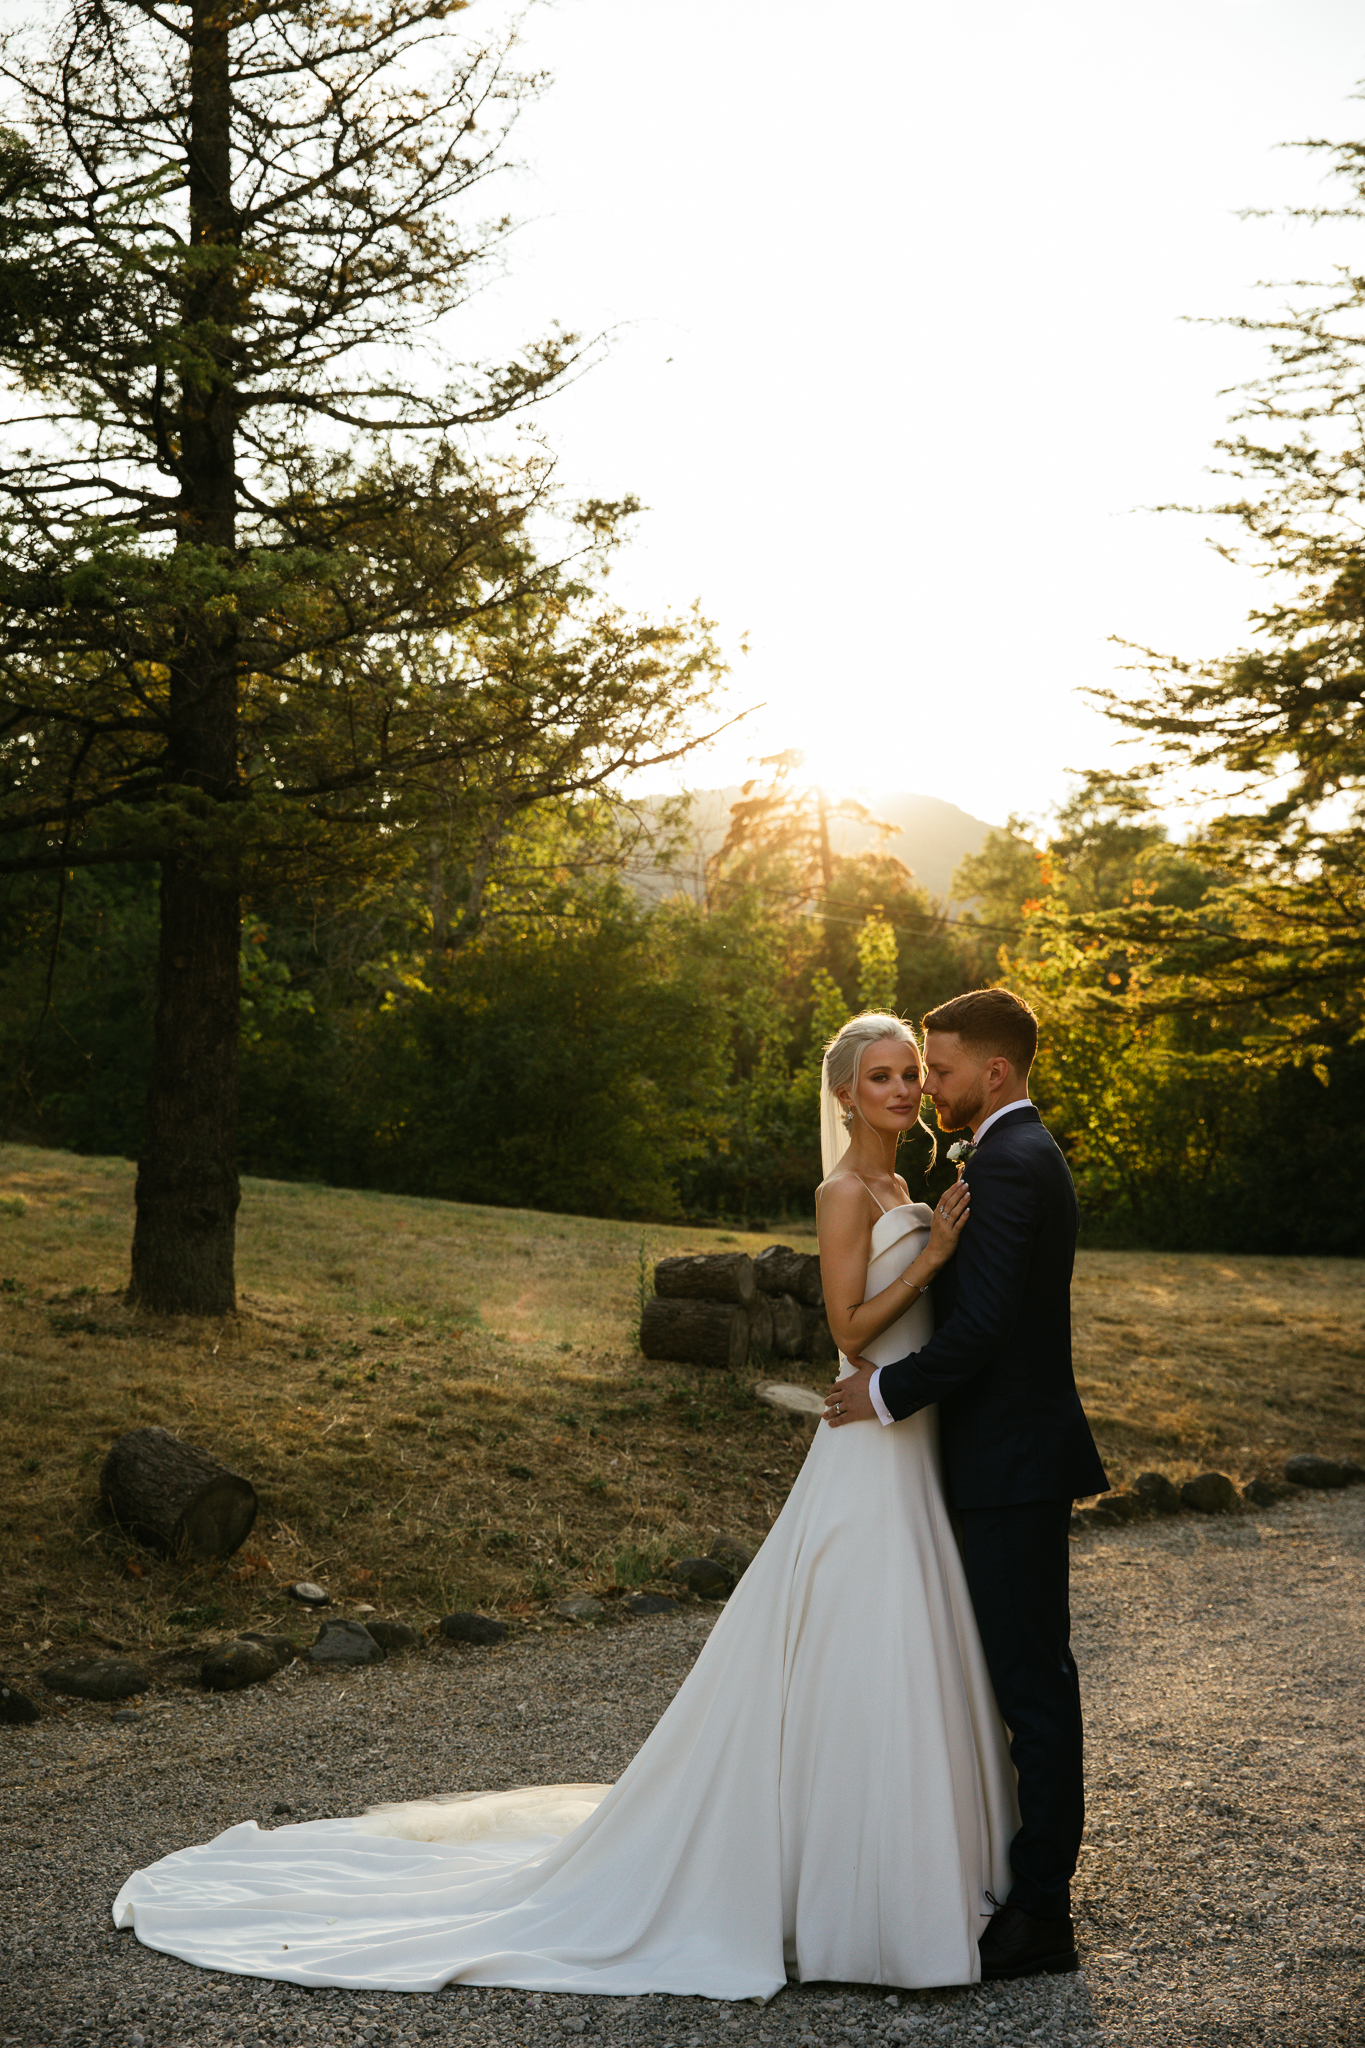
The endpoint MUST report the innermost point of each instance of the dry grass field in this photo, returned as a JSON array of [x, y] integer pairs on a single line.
[[443, 1406]]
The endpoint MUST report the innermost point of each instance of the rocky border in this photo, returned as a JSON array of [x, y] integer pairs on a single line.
[[1213, 1493]]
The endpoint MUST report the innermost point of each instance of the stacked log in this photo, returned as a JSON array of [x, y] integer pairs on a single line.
[[780, 1270], [695, 1332], [725, 1309], [709, 1276]]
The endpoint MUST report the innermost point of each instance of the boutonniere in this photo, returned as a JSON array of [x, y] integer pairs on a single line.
[[961, 1154]]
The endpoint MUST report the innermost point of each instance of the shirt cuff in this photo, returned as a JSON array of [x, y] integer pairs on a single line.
[[874, 1395]]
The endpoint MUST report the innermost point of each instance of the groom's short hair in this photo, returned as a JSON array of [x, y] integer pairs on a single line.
[[990, 1021]]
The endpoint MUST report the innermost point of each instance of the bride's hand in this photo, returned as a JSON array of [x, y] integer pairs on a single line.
[[950, 1216]]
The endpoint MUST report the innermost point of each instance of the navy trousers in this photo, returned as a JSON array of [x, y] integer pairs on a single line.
[[1017, 1563]]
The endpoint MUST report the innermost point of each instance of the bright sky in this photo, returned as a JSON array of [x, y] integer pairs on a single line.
[[902, 353]]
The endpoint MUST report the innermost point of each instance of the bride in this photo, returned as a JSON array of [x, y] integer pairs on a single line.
[[829, 1795]]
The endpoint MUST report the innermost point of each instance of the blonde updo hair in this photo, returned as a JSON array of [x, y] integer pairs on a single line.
[[840, 1069]]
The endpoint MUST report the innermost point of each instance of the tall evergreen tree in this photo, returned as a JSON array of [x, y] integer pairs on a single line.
[[234, 514]]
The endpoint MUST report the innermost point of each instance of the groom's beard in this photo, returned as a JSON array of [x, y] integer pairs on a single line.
[[961, 1114]]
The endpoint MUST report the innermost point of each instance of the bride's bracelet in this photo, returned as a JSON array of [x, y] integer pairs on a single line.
[[913, 1284]]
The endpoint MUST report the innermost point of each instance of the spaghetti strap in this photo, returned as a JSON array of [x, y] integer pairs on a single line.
[[876, 1198]]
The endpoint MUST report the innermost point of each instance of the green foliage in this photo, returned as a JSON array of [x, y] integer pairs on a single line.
[[877, 960]]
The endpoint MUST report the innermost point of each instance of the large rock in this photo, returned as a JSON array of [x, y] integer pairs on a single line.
[[1212, 1493], [1354, 1470], [579, 1607], [393, 1635], [473, 1628], [734, 1555], [16, 1708], [1161, 1494], [96, 1678], [242, 1661], [344, 1646], [1309, 1470], [1263, 1493], [1095, 1518], [285, 1648], [1129, 1507], [650, 1603], [704, 1576]]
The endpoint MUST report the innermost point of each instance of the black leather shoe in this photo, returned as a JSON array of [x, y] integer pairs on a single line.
[[1018, 1945]]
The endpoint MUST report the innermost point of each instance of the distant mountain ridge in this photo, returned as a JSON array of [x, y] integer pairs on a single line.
[[931, 837]]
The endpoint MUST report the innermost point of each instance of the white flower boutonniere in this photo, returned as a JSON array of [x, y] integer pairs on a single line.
[[961, 1154]]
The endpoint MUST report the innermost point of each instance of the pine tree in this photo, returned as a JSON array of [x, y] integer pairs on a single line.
[[245, 545]]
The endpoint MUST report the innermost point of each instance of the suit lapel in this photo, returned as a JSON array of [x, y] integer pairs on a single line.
[[1027, 1115]]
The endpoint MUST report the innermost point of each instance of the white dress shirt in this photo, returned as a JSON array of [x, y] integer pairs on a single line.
[[874, 1391]]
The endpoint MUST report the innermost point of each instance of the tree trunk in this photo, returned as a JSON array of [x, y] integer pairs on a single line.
[[175, 1498], [695, 1332], [780, 1270], [187, 1189], [713, 1276], [789, 1328]]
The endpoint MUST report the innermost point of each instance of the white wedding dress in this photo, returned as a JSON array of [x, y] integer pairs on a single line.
[[829, 1794]]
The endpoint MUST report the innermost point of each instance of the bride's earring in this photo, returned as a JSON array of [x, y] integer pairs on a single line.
[[848, 1117]]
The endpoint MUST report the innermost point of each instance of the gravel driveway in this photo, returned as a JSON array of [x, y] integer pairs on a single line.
[[1221, 1899]]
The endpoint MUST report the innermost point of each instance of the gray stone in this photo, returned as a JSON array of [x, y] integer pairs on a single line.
[[241, 1661], [1354, 1470], [96, 1678], [344, 1645], [705, 1577], [1309, 1470], [177, 1667], [473, 1628], [309, 1595], [126, 1717], [1263, 1493], [650, 1603], [579, 1607], [1129, 1507], [1096, 1518], [285, 1648], [734, 1555], [393, 1635], [1160, 1493], [16, 1708], [1212, 1493]]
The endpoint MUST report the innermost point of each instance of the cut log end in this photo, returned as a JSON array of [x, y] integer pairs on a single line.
[[695, 1332], [218, 1521], [174, 1497], [780, 1270]]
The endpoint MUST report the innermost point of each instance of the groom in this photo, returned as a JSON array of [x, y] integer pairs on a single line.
[[1016, 1445]]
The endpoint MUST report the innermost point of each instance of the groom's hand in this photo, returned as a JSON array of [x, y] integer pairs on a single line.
[[848, 1400]]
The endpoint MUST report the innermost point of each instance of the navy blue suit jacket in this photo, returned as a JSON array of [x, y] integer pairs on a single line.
[[999, 1362]]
